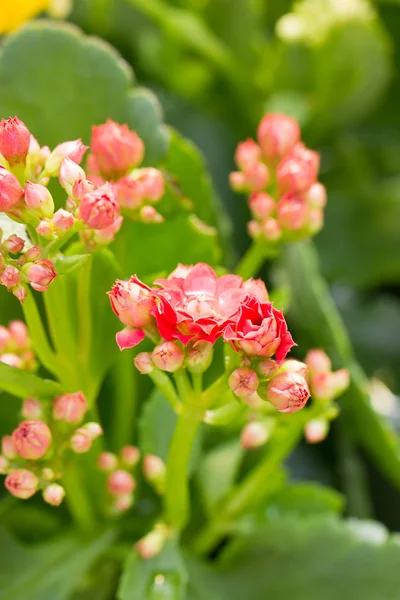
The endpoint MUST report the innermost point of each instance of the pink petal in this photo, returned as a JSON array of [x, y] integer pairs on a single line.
[[129, 337]]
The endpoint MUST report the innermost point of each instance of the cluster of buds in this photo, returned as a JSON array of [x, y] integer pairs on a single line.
[[116, 152], [120, 481], [280, 175], [33, 457], [16, 347]]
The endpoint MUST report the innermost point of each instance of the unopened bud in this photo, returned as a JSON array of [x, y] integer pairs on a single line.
[[19, 333], [9, 277], [11, 191], [288, 392], [32, 409], [81, 441], [151, 544], [316, 430], [243, 382], [70, 408], [130, 456], [247, 152], [267, 368], [316, 195], [256, 434], [155, 471], [95, 430], [116, 148], [22, 483], [70, 172], [120, 482], [12, 360], [294, 366], [20, 292], [107, 461], [54, 494], [317, 361], [39, 274], [144, 363], [99, 209], [73, 150], [168, 356], [277, 135], [292, 212], [32, 254], [298, 171], [14, 244], [261, 204], [148, 214], [39, 199], [14, 140], [254, 178], [48, 474], [32, 439], [123, 502], [326, 386], [63, 220], [270, 230], [199, 356]]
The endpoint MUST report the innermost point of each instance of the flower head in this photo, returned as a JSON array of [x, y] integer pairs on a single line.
[[11, 191], [98, 208], [116, 148], [32, 439], [40, 274], [14, 140], [22, 483], [288, 392]]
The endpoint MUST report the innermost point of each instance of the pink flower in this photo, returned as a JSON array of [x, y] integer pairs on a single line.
[[277, 135], [99, 209], [32, 409], [70, 407], [9, 277], [10, 190], [293, 212], [22, 483], [253, 178], [247, 152], [5, 337], [288, 392], [195, 304], [254, 435], [70, 172], [120, 482], [143, 363], [316, 195], [243, 382], [14, 140], [63, 220], [54, 494], [40, 274], [14, 244], [130, 455], [298, 171], [168, 356], [259, 330], [139, 186], [39, 199], [129, 337], [256, 287], [116, 148], [73, 150], [32, 439], [81, 441], [132, 303], [262, 205], [107, 461]]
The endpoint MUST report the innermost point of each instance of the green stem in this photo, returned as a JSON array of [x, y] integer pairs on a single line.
[[85, 313], [125, 400], [166, 387], [78, 501], [253, 259], [177, 488], [197, 379], [40, 342], [223, 415], [183, 384]]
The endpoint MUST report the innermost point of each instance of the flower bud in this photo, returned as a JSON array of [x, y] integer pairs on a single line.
[[143, 363], [70, 408], [267, 368], [116, 148], [80, 188], [155, 471], [7, 447], [199, 356], [11, 191], [22, 483], [317, 361], [32, 409], [256, 434], [81, 441], [39, 274], [70, 172], [270, 230], [123, 502], [54, 494], [168, 356], [151, 544], [316, 195], [254, 178], [294, 366], [19, 333], [247, 152], [9, 277], [315, 220], [130, 456], [150, 183], [32, 254], [63, 220], [73, 150], [20, 292], [261, 204], [99, 209], [39, 199], [326, 386], [243, 382], [120, 482], [14, 141], [94, 430], [288, 392], [298, 171], [5, 337], [107, 461], [277, 135], [12, 360], [3, 465], [14, 244], [148, 214], [316, 430], [32, 439], [292, 212]]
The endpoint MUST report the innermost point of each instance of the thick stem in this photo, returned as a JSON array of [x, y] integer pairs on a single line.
[[251, 261], [166, 387], [125, 400], [85, 313], [183, 384], [177, 487]]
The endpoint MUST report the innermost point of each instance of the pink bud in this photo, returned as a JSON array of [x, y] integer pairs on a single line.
[[144, 363], [63, 220], [95, 430], [14, 140], [254, 178], [116, 148], [32, 254], [155, 471], [325, 386], [131, 302], [288, 392], [32, 409], [5, 337], [293, 212], [81, 441], [151, 544], [130, 455], [70, 172], [129, 337], [255, 434], [37, 156], [277, 135], [199, 356], [107, 461], [9, 277], [256, 287], [148, 214], [45, 229], [10, 190], [247, 152], [4, 465], [22, 483], [32, 439], [316, 430], [243, 382], [128, 193], [261, 204], [73, 150], [270, 230], [267, 368], [82, 187], [298, 171], [12, 360], [54, 494], [7, 447], [70, 408], [20, 292], [150, 182], [99, 209], [317, 361], [19, 333], [123, 502], [39, 199], [40, 274], [120, 482], [294, 366], [168, 356], [316, 195], [14, 244]]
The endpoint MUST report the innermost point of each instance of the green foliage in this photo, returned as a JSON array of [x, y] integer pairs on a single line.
[[22, 384]]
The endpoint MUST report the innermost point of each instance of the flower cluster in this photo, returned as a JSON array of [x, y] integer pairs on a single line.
[[116, 152], [16, 347], [33, 457], [280, 175], [120, 482]]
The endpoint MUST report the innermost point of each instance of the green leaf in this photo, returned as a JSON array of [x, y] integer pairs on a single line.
[[22, 384], [92, 84], [163, 577], [46, 571], [320, 558], [305, 500], [156, 428], [67, 264]]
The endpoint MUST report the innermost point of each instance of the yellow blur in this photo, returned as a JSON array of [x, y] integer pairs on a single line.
[[14, 13]]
